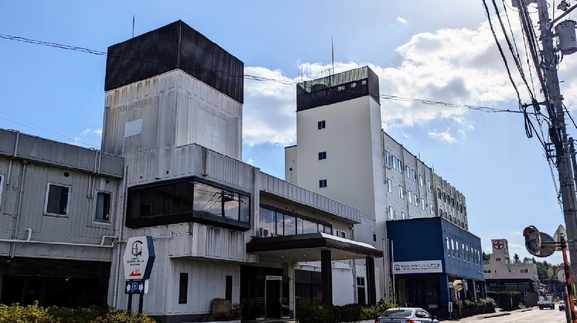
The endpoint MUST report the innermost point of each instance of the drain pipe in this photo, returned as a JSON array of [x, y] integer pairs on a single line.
[[17, 215]]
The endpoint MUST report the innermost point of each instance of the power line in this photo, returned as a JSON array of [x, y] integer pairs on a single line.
[[51, 44]]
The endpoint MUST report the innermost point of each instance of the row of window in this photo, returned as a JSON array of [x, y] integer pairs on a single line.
[[282, 223], [393, 215], [467, 253], [410, 173], [451, 200], [57, 202], [522, 271]]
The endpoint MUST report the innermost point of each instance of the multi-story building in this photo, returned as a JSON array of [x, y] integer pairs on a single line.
[[342, 152], [170, 169], [502, 274], [60, 214]]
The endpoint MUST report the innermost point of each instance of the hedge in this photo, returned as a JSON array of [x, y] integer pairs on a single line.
[[320, 312], [37, 314], [506, 300]]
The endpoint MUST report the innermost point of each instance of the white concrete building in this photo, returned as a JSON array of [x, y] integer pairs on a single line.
[[501, 273], [342, 152]]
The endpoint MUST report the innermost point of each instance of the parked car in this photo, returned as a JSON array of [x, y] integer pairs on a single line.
[[562, 305], [406, 314]]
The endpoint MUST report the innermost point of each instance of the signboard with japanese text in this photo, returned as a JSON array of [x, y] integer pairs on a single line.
[[418, 267], [138, 258]]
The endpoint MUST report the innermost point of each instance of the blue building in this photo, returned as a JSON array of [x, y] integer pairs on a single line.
[[428, 255]]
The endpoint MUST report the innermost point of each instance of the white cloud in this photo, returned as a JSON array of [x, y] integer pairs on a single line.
[[82, 137], [402, 20], [459, 66], [250, 161], [517, 233], [445, 135]]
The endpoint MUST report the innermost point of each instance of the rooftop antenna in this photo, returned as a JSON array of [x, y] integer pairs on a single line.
[[132, 26], [333, 54]]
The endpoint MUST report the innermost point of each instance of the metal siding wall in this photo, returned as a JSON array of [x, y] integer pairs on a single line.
[[300, 195], [429, 245], [457, 265]]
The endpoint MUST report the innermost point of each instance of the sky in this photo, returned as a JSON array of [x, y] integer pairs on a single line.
[[433, 50]]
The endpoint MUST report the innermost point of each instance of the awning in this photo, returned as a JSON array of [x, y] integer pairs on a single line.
[[307, 247]]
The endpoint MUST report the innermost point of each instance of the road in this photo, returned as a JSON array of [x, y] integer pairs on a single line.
[[531, 316]]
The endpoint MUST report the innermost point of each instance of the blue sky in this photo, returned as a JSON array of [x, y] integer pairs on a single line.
[[437, 50]]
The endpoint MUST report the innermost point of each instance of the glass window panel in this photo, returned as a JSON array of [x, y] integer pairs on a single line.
[[244, 208], [230, 202], [328, 229], [309, 227], [279, 224], [299, 226], [207, 199], [102, 207], [289, 225], [57, 199], [266, 219]]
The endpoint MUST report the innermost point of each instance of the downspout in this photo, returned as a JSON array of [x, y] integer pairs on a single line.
[[120, 222], [16, 142], [17, 214]]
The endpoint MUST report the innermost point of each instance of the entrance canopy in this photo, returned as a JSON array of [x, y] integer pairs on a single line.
[[307, 247]]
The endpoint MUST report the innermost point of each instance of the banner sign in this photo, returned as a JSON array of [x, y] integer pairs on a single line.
[[418, 267]]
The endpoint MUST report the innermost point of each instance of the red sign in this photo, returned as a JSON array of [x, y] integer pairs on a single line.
[[498, 244]]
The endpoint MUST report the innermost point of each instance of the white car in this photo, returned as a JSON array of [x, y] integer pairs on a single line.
[[406, 315]]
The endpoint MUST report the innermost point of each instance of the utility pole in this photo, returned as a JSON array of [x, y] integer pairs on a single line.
[[557, 132]]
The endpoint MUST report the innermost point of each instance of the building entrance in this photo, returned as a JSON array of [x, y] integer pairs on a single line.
[[264, 293]]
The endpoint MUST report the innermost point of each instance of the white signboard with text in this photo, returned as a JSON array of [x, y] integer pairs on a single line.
[[418, 267], [138, 258]]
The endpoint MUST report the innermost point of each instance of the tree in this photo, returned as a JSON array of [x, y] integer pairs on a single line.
[[516, 259], [485, 256]]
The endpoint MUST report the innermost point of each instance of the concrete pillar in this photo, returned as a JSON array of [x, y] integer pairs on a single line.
[[327, 276], [371, 286], [483, 289]]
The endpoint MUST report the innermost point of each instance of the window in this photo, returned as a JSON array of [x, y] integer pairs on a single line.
[[524, 271], [340, 88], [1, 189], [401, 192], [389, 185], [354, 84], [410, 196], [102, 213], [416, 199], [387, 158], [421, 180], [403, 216], [394, 162], [497, 259], [431, 209], [57, 200], [400, 166], [183, 288], [391, 213], [343, 234], [322, 124], [448, 244], [284, 223], [422, 204], [228, 288], [429, 186], [322, 155], [187, 200], [408, 172], [361, 297], [322, 183], [363, 82]]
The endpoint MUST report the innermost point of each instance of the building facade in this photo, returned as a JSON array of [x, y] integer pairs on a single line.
[[502, 274], [342, 152], [170, 170]]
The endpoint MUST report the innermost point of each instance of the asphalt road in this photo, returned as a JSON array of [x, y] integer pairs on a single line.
[[533, 315]]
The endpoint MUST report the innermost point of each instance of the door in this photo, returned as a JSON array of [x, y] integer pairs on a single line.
[[273, 299]]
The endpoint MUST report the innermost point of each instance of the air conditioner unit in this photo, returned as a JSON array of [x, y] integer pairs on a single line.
[[263, 233]]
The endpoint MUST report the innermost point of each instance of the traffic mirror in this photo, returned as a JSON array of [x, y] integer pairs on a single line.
[[532, 240]]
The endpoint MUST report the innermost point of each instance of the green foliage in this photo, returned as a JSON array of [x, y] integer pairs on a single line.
[[486, 302], [470, 296], [326, 313], [506, 300], [38, 314]]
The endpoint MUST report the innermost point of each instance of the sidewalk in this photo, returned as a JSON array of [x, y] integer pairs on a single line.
[[498, 313]]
